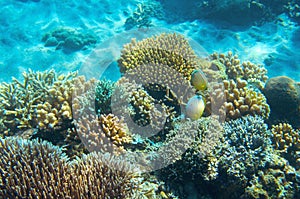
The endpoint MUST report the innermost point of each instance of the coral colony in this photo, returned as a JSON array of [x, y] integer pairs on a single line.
[[49, 152]]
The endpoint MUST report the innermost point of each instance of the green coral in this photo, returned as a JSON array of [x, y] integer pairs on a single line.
[[69, 39], [104, 90]]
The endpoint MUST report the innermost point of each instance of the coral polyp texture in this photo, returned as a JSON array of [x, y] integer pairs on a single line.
[[166, 49], [277, 180], [33, 169]]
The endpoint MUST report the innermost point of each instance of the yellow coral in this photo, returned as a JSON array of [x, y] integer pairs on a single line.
[[171, 50], [239, 100]]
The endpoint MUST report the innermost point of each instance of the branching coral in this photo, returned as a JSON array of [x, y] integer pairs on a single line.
[[246, 146], [104, 90], [248, 71], [139, 109], [22, 103], [190, 148], [171, 50], [106, 133], [240, 100], [31, 169]]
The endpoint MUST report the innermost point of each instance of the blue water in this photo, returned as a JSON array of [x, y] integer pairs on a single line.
[[23, 24]]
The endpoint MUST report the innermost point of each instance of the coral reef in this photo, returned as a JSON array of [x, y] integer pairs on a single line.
[[246, 147], [241, 100], [252, 73], [141, 17], [69, 39], [292, 8], [31, 169], [283, 96], [277, 180]]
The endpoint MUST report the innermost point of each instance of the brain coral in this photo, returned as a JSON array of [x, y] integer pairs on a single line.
[[283, 95], [33, 169]]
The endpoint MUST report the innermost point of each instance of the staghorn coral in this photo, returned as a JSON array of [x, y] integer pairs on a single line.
[[106, 133], [286, 140], [277, 180], [69, 39], [31, 169], [246, 147], [171, 50], [21, 100], [240, 100], [252, 73]]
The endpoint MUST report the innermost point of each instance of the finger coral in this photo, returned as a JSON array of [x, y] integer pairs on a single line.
[[33, 169], [240, 100], [286, 140]]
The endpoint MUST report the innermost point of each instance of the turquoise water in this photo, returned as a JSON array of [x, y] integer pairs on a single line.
[[250, 150]]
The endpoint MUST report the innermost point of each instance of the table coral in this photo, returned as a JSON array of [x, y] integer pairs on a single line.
[[171, 50]]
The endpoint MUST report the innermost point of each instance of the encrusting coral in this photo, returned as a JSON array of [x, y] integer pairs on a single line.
[[34, 169]]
